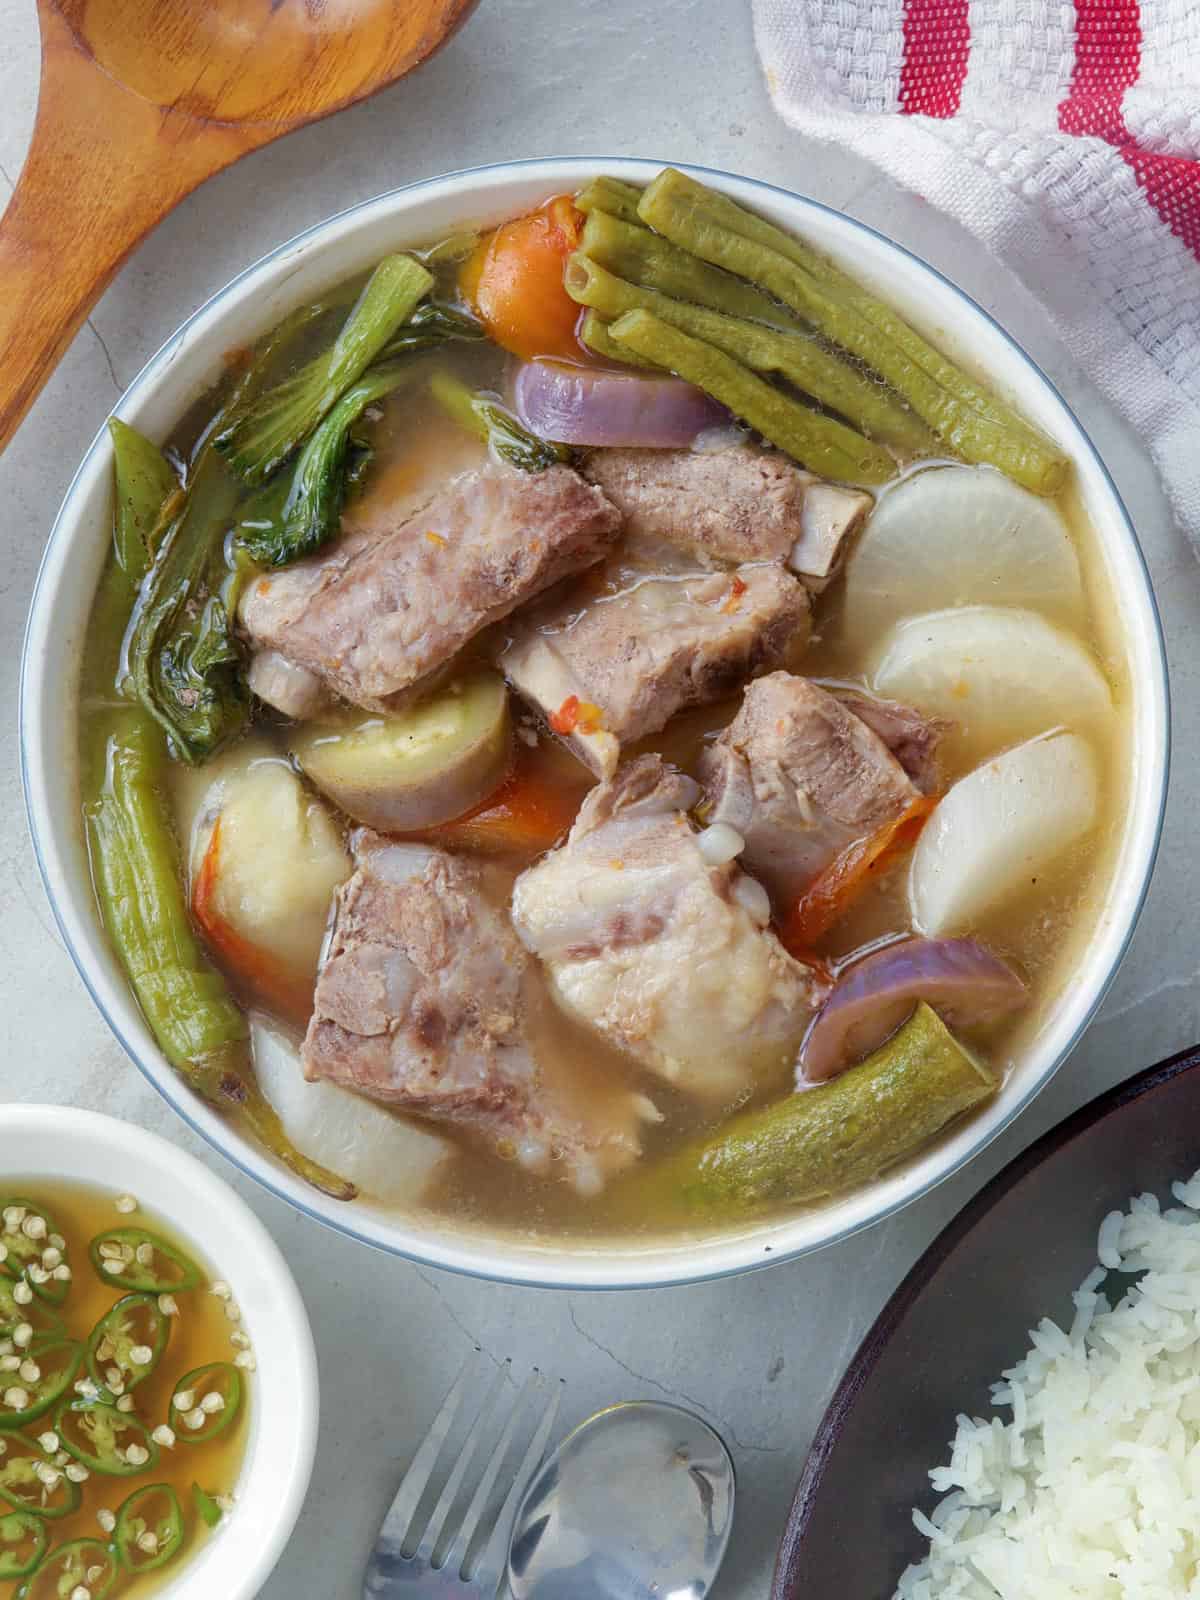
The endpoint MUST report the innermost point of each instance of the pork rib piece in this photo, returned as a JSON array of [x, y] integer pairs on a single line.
[[424, 1002], [383, 608], [632, 659], [911, 737], [734, 505], [665, 955], [800, 777]]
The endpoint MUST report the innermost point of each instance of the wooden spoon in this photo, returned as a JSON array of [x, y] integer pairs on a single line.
[[140, 101]]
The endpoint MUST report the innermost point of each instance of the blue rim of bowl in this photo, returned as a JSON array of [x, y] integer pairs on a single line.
[[770, 1255], [926, 1268]]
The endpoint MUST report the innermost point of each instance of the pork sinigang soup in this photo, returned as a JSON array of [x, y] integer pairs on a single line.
[[597, 725]]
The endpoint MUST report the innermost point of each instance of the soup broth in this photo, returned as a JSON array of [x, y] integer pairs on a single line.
[[414, 443]]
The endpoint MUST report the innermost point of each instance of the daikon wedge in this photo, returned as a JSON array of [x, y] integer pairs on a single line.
[[998, 675], [953, 536], [999, 828], [389, 1158]]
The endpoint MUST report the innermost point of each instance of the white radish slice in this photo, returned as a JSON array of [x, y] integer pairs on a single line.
[[953, 536], [998, 675], [388, 1158], [998, 828]]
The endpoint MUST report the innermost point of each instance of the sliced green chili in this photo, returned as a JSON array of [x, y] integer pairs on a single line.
[[46, 1324], [22, 1252], [207, 1508], [149, 1530], [195, 1414], [103, 1438], [23, 1490], [23, 1541], [129, 1342], [57, 1362], [133, 1258], [82, 1564]]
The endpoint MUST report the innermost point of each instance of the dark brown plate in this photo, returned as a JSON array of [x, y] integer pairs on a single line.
[[960, 1317]]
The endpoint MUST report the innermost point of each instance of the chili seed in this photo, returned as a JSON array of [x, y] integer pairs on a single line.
[[34, 1227], [87, 1389], [112, 1264], [51, 1257], [125, 1203], [80, 1593], [145, 1255], [10, 1363], [226, 1502], [148, 1542], [168, 1305], [110, 1250], [14, 1216], [212, 1403], [125, 1403], [18, 1400], [141, 1355], [221, 1289], [22, 1293], [105, 1350], [246, 1361], [77, 1472], [57, 1240], [184, 1400], [106, 1519], [38, 1274], [232, 1312], [47, 1474], [164, 1436], [94, 1574], [62, 1273], [194, 1420], [239, 1339], [22, 1335], [137, 1455], [30, 1371], [48, 1442]]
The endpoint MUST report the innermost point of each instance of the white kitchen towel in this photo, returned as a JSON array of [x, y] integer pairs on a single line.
[[1066, 136]]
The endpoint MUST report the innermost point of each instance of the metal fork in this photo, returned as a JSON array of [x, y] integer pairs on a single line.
[[431, 1571]]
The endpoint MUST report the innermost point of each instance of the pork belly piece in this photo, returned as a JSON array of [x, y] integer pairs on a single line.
[[621, 666], [911, 737], [663, 952], [382, 609], [800, 777], [734, 505], [427, 1002]]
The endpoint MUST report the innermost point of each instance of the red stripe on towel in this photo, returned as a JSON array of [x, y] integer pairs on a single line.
[[1108, 50], [1108, 47], [937, 42]]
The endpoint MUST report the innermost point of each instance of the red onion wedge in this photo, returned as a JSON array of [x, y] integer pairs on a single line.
[[588, 406], [963, 982]]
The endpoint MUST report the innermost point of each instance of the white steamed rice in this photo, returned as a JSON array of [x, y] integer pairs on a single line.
[[1093, 1488]]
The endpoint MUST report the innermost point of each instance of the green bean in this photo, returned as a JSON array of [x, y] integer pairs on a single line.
[[976, 425], [611, 195], [798, 357], [633, 252], [819, 442], [826, 1139], [593, 331]]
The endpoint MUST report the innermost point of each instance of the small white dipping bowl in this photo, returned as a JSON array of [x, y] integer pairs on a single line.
[[191, 361], [56, 1144]]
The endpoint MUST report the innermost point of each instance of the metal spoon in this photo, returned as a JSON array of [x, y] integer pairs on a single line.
[[636, 1504]]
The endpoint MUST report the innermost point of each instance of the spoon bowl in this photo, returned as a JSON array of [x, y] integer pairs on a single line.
[[142, 100], [635, 1504]]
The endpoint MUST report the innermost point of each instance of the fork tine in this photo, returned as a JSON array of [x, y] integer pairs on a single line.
[[416, 1479], [494, 1561], [457, 1555], [480, 1428]]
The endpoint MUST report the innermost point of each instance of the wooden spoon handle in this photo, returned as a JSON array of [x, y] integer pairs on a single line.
[[103, 168]]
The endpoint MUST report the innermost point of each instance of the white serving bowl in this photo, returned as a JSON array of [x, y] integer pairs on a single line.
[[191, 360], [56, 1144]]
